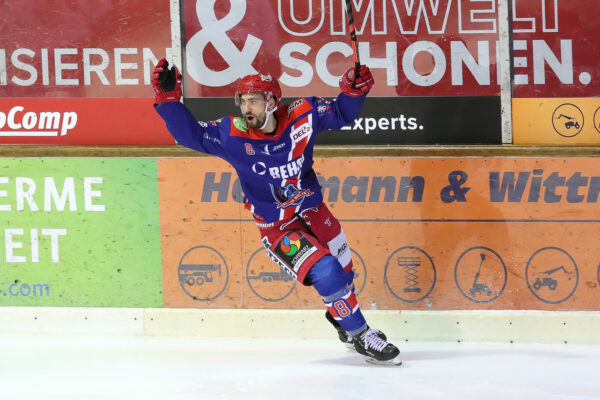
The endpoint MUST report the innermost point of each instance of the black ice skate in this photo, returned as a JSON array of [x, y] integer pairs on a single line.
[[343, 335], [375, 349]]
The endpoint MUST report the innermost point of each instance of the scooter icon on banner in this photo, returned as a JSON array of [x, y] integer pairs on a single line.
[[480, 287]]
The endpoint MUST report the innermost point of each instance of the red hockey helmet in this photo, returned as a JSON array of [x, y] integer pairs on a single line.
[[259, 83]]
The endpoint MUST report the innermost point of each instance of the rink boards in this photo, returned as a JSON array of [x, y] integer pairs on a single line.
[[441, 234]]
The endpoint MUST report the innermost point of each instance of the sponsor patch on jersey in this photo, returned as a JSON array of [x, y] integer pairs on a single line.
[[268, 151], [259, 168], [241, 124], [338, 246], [212, 139], [268, 247], [298, 108], [293, 105], [300, 132], [265, 224], [293, 249], [288, 170], [324, 108]]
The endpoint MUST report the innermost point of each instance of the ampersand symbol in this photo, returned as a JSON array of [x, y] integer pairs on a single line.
[[214, 31], [454, 191]]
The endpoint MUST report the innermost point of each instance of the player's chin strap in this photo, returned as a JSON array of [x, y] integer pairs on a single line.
[[268, 115]]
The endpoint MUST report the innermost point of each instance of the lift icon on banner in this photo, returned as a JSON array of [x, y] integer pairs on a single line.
[[567, 120], [546, 280], [411, 265], [480, 274], [552, 275], [410, 274]]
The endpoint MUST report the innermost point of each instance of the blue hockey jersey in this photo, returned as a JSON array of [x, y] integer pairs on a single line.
[[275, 171]]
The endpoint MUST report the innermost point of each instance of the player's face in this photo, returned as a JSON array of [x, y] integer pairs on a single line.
[[253, 109]]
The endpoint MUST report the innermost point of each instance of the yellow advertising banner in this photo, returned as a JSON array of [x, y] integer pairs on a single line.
[[556, 120], [425, 233]]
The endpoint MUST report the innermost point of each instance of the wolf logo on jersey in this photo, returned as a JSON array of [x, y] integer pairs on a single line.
[[289, 195]]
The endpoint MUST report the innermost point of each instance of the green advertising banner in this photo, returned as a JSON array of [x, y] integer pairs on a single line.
[[79, 232]]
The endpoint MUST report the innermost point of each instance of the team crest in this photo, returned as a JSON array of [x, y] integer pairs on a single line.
[[289, 195]]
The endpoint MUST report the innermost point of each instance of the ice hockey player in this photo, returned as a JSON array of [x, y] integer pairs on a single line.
[[271, 148]]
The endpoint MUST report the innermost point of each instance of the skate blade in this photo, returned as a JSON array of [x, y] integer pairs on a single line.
[[393, 362]]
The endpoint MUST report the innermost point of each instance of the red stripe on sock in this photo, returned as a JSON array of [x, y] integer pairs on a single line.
[[352, 302], [333, 312]]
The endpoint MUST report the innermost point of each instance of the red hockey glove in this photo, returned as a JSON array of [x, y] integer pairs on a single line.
[[166, 82], [359, 86]]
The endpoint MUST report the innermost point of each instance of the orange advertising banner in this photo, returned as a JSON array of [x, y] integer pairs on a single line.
[[556, 121], [425, 233]]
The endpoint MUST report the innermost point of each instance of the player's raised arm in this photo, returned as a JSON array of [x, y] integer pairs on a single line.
[[182, 125], [346, 107], [166, 83], [356, 86]]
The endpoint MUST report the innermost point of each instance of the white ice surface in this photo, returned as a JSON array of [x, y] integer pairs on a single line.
[[51, 367]]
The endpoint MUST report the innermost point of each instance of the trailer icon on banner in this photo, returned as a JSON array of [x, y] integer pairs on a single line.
[[203, 273], [268, 281]]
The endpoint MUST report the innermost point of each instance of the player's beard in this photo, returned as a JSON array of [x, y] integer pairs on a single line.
[[256, 121]]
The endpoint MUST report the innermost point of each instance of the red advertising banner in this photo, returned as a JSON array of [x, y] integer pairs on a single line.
[[556, 48], [82, 121], [416, 48], [81, 75], [81, 48]]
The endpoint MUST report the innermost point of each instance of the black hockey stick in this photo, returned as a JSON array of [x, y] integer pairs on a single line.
[[353, 38]]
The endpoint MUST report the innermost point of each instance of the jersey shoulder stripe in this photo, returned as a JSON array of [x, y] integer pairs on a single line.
[[298, 108]]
